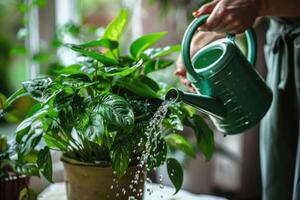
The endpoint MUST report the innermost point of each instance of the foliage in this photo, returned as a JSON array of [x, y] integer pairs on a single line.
[[10, 166], [98, 109], [6, 164]]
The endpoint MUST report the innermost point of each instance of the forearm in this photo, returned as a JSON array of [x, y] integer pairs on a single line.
[[279, 8]]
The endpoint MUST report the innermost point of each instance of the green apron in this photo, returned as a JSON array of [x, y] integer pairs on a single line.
[[279, 141]]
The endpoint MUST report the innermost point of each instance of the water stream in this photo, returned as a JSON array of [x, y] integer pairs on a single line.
[[152, 132]]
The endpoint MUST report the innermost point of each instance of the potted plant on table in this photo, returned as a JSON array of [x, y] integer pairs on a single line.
[[108, 118], [14, 184]]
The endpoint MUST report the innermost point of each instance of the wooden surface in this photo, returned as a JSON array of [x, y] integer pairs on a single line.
[[57, 192]]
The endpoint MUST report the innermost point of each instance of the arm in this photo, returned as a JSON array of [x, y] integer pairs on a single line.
[[280, 8], [234, 16]]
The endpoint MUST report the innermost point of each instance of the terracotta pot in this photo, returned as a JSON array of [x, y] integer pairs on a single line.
[[11, 187], [95, 181]]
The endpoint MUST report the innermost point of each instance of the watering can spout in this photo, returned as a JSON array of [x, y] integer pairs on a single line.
[[206, 104]]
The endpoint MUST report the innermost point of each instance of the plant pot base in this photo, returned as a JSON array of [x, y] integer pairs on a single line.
[[88, 182]]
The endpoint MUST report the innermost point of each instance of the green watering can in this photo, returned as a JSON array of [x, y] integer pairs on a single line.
[[229, 89]]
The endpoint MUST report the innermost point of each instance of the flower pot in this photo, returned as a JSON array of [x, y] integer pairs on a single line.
[[96, 181], [11, 187]]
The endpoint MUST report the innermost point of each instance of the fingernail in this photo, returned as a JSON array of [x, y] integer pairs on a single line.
[[196, 13]]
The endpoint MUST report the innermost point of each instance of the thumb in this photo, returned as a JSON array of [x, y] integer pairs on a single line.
[[206, 8]]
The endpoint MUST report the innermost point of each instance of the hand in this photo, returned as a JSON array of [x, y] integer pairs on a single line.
[[200, 40], [229, 16]]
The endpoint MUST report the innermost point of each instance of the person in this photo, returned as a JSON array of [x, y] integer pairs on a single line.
[[279, 131]]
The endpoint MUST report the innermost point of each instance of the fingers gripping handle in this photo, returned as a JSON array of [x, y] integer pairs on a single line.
[[187, 40]]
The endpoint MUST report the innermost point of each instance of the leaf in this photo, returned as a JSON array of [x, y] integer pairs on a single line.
[[29, 121], [180, 142], [91, 125], [2, 101], [72, 69], [155, 65], [36, 87], [76, 81], [3, 144], [27, 194], [204, 135], [55, 141], [41, 57], [120, 159], [114, 30], [28, 169], [141, 44], [93, 54], [18, 94], [138, 86], [157, 153], [173, 122], [161, 52], [122, 71], [44, 162], [105, 42], [114, 109], [31, 139], [175, 173]]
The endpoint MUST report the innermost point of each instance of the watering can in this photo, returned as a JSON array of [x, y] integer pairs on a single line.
[[229, 89]]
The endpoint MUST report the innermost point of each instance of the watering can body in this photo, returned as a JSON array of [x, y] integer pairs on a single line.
[[228, 87]]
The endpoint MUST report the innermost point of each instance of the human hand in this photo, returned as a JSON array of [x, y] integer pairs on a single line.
[[229, 16], [199, 40]]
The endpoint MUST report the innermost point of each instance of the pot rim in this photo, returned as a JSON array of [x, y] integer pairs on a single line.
[[105, 164], [65, 159]]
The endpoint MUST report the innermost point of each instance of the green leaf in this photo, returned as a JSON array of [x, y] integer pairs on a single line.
[[105, 42], [120, 159], [2, 101], [3, 144], [55, 144], [155, 65], [36, 87], [157, 153], [55, 141], [139, 86], [122, 71], [76, 81], [31, 139], [114, 109], [141, 44], [114, 30], [204, 135], [41, 57], [72, 69], [161, 52], [91, 124], [180, 142], [175, 173], [93, 54], [173, 121], [18, 94], [29, 121], [28, 169], [27, 194], [44, 162]]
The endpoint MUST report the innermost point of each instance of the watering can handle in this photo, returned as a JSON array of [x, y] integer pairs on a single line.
[[192, 28]]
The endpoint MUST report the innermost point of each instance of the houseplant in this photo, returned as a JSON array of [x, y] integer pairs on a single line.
[[13, 184], [101, 113]]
